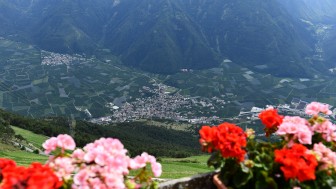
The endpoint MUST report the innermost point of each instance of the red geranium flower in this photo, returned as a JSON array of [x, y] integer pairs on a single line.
[[228, 138], [232, 140], [37, 176], [208, 137], [4, 162], [271, 119], [208, 133], [297, 163]]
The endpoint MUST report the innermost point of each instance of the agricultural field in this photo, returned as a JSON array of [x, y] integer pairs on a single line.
[[242, 88], [39, 83], [235, 89]]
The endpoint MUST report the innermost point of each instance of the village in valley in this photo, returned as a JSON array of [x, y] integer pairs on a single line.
[[161, 104], [164, 105], [40, 83]]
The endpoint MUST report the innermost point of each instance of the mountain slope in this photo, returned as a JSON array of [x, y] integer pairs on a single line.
[[320, 18], [253, 33], [164, 36], [321, 11], [158, 35]]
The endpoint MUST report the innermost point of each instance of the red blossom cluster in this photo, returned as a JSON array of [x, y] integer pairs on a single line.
[[305, 157], [297, 162], [271, 119], [228, 138], [32, 177]]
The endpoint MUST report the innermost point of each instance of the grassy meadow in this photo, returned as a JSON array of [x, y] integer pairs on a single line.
[[22, 157], [35, 139], [183, 167], [172, 167]]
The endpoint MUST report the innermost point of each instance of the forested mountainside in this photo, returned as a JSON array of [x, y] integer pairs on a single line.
[[164, 36]]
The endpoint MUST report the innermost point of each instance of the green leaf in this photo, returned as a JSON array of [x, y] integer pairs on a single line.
[[265, 182], [241, 178], [258, 165], [155, 185], [244, 168], [215, 160]]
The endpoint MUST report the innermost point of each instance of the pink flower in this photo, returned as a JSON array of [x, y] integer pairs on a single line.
[[141, 161], [327, 129], [315, 108], [89, 156], [325, 156], [157, 169], [50, 145], [81, 177], [63, 167], [78, 154], [333, 136], [287, 128], [66, 142], [305, 136], [113, 180], [101, 159], [102, 164], [295, 128], [106, 164]]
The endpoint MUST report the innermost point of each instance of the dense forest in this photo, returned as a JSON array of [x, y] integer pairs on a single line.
[[136, 136]]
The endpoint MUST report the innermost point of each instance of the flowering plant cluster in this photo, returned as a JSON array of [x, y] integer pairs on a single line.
[[301, 156], [103, 164], [34, 176]]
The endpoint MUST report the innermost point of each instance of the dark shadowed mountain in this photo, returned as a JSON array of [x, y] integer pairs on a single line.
[[164, 36]]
